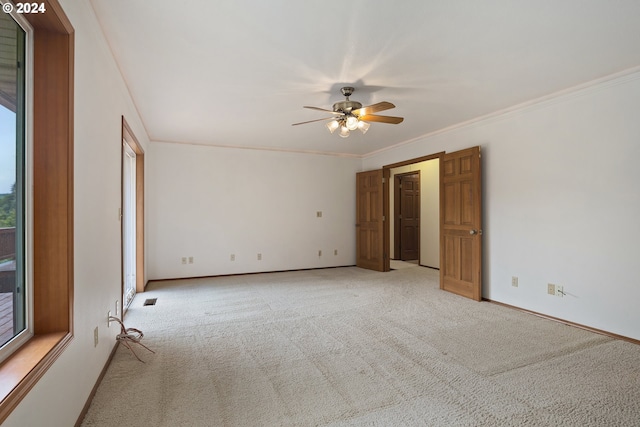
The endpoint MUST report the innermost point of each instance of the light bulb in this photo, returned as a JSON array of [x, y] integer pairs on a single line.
[[333, 125], [344, 132], [352, 123], [363, 126]]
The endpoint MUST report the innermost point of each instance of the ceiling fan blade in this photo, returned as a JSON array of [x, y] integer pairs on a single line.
[[311, 121], [381, 119], [325, 110], [380, 106]]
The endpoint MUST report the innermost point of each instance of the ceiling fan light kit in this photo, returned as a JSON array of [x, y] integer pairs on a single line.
[[351, 115]]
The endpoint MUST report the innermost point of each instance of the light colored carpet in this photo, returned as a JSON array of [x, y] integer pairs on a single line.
[[397, 264], [351, 347]]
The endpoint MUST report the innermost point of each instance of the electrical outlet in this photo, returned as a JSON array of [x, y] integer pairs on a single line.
[[319, 214], [319, 253], [184, 259], [514, 281], [190, 260], [233, 257], [335, 252], [551, 289], [559, 291], [259, 257], [108, 318], [95, 337]]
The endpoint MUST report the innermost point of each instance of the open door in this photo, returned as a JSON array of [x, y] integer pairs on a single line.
[[460, 223], [370, 253]]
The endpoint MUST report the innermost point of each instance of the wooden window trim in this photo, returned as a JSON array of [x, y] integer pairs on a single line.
[[53, 65]]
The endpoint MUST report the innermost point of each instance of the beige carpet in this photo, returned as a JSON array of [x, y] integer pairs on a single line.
[[397, 264], [350, 347]]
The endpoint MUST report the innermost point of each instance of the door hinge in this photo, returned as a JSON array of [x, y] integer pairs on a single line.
[[383, 180], [384, 218], [399, 216], [400, 186]]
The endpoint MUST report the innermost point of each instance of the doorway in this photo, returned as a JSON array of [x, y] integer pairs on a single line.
[[132, 217], [428, 208], [128, 223], [406, 211]]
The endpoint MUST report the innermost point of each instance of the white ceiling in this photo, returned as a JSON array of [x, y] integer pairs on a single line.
[[237, 72]]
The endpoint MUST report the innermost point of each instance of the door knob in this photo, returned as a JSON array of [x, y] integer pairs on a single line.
[[473, 231]]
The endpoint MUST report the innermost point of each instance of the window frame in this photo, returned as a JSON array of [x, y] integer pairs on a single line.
[[52, 207], [23, 194]]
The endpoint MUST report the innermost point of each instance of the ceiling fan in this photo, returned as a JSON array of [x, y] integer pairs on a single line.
[[351, 115]]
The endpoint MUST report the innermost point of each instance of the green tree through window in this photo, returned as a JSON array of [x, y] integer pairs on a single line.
[[8, 208]]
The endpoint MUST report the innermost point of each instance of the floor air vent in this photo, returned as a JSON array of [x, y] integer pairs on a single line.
[[150, 301]]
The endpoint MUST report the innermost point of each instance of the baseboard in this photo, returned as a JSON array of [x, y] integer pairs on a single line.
[[567, 322], [85, 409], [246, 274]]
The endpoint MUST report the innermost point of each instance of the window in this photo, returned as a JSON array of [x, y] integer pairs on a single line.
[[13, 218], [51, 238]]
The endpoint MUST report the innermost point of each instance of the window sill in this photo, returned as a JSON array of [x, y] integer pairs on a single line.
[[20, 372]]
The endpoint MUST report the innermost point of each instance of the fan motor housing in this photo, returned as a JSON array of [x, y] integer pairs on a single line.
[[346, 106]]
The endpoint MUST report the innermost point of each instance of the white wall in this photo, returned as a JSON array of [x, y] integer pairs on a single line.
[[561, 202], [208, 203], [101, 99], [429, 210]]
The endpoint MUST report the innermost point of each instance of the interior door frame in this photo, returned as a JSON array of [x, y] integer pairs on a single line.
[[129, 137], [386, 173]]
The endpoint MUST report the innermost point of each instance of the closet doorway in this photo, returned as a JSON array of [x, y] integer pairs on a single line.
[[406, 222]]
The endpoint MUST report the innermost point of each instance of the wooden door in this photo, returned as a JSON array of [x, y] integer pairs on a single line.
[[369, 221], [410, 217], [461, 223]]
